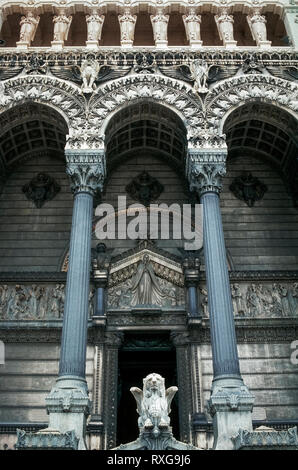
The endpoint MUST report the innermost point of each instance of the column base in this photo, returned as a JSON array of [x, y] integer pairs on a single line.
[[231, 406], [68, 406]]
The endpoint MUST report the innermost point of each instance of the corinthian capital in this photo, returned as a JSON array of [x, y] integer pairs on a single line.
[[205, 170], [86, 170]]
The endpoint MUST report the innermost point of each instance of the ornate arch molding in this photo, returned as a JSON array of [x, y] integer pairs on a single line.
[[176, 95], [66, 98], [232, 93]]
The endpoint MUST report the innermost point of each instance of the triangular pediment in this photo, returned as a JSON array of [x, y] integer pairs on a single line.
[[145, 276]]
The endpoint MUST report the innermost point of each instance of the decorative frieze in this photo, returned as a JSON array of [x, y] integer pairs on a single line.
[[259, 300], [39, 302]]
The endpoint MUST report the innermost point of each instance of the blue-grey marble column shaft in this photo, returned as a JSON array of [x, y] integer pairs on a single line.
[[230, 403], [205, 171], [75, 319], [191, 268], [68, 403], [222, 327], [86, 171]]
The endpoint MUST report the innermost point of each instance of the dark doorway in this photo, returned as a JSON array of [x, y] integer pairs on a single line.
[[141, 355]]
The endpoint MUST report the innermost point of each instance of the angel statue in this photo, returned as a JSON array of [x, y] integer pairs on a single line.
[[153, 404], [199, 73], [89, 72]]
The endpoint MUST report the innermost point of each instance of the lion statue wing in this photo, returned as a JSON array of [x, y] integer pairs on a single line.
[[138, 395], [170, 393]]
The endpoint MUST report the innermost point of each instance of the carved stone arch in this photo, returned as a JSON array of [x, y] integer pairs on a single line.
[[176, 95], [65, 97], [232, 93]]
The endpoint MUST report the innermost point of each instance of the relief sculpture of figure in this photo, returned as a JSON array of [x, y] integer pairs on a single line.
[[61, 26], [145, 287], [94, 26], [28, 29]]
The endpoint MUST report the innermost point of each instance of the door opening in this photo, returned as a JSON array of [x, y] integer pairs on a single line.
[[141, 355]]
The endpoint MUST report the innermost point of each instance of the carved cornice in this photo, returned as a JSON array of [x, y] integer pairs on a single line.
[[205, 170], [86, 170]]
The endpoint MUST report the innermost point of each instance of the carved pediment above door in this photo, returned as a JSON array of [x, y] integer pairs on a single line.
[[146, 277]]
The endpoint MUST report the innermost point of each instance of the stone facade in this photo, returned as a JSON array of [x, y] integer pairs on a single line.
[[163, 106]]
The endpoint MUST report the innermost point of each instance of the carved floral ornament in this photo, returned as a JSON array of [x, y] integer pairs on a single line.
[[233, 92], [203, 118]]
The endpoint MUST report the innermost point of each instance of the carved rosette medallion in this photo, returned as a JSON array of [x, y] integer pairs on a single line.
[[41, 188], [248, 188]]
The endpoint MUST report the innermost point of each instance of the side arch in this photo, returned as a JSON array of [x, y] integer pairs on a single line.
[[65, 97], [232, 93]]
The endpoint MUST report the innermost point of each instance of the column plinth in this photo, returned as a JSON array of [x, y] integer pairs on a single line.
[[231, 402]]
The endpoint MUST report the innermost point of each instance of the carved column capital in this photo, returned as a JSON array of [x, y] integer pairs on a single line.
[[191, 269], [205, 169], [86, 170]]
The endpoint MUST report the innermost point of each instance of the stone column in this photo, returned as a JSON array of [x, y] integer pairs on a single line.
[[231, 402], [160, 28], [127, 23], [181, 342], [191, 268], [290, 17], [225, 27], [94, 28], [100, 275], [257, 25], [192, 23], [68, 404], [112, 345], [96, 422]]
